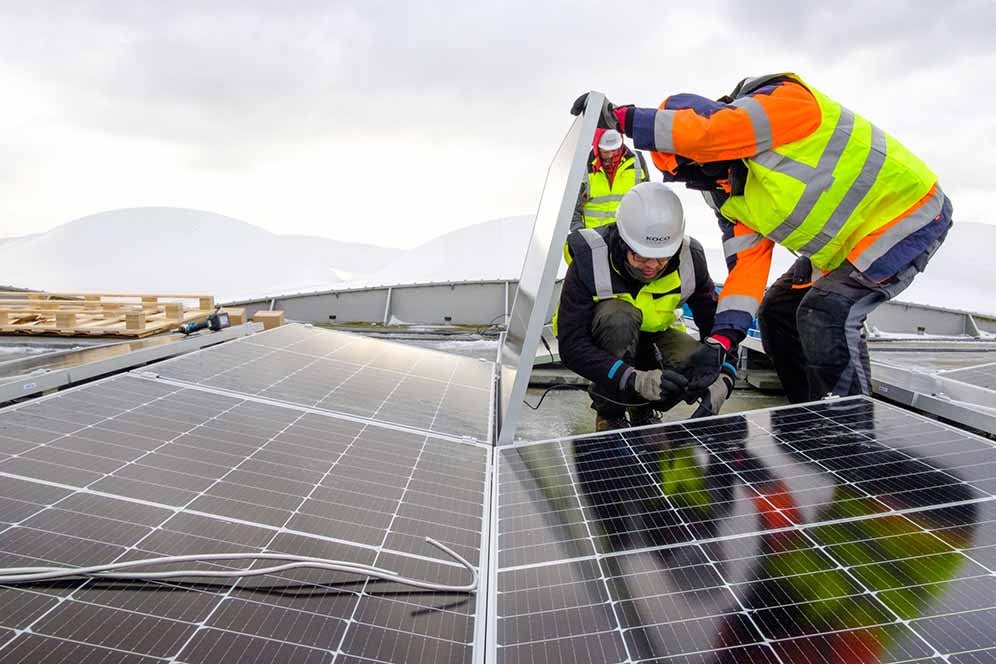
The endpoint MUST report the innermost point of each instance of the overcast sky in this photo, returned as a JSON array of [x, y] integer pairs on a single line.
[[394, 122]]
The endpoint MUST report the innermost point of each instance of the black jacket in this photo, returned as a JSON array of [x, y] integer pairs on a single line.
[[578, 350]]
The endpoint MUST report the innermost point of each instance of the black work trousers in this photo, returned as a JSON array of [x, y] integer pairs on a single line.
[[615, 327], [814, 331]]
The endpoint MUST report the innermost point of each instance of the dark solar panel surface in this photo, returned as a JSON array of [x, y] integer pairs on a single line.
[[130, 468], [349, 374], [844, 532], [980, 376]]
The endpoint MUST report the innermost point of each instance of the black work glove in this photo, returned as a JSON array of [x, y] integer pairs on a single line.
[[612, 117], [657, 385], [716, 395], [705, 363]]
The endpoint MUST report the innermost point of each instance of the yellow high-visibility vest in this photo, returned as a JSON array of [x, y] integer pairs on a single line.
[[660, 301], [603, 198], [821, 195]]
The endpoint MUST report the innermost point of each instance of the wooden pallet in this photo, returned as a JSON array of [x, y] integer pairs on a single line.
[[98, 314]]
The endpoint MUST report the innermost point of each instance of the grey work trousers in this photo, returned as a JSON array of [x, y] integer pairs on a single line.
[[616, 328], [814, 331]]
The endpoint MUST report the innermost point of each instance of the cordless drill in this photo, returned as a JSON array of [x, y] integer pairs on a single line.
[[216, 321]]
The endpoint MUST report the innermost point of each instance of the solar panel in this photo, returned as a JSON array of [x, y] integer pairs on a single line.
[[539, 269], [130, 468], [843, 531], [352, 375]]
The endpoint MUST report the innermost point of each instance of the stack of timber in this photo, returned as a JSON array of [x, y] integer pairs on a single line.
[[98, 314]]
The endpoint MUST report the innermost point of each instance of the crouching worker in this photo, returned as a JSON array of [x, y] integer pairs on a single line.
[[617, 324]]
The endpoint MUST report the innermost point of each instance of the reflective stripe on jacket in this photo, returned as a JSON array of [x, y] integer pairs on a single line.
[[821, 195], [819, 180], [657, 300], [603, 198]]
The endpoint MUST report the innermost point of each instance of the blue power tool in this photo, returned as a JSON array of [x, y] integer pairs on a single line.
[[217, 321]]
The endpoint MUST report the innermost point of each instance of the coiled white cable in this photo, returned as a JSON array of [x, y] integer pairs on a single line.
[[15, 575]]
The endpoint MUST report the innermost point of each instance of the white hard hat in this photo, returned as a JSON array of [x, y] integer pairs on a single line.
[[651, 220], [610, 140]]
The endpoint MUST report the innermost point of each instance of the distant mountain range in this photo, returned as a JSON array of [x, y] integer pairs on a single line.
[[180, 250]]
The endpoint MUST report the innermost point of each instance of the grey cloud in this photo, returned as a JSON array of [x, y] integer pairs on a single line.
[[896, 35], [196, 73]]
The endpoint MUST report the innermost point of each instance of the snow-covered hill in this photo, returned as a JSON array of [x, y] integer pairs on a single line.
[[489, 250], [180, 250]]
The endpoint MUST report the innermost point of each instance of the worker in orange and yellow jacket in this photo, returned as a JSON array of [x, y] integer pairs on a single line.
[[783, 163]]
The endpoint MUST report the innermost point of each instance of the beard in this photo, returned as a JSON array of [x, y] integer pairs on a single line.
[[637, 274]]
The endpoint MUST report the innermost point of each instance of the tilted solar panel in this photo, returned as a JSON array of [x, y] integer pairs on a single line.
[[129, 468], [352, 375], [842, 531]]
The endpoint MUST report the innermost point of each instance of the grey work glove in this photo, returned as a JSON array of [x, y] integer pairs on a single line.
[[657, 385], [715, 396]]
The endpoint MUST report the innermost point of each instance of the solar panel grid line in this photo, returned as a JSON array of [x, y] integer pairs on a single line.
[[424, 438], [17, 407], [896, 618], [254, 341], [366, 583], [920, 417], [306, 366], [314, 411], [920, 647], [700, 421], [230, 368], [33, 655], [874, 440], [220, 517], [727, 538], [617, 630], [128, 549], [822, 462], [152, 451], [591, 537], [307, 383], [727, 614], [844, 480], [270, 543], [170, 441], [743, 612], [694, 537], [967, 554], [435, 413]]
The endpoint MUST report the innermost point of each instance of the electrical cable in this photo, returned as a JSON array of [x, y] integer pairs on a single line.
[[584, 388], [548, 349], [16, 575]]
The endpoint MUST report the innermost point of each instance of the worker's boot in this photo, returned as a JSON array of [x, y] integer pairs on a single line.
[[642, 416], [610, 423]]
